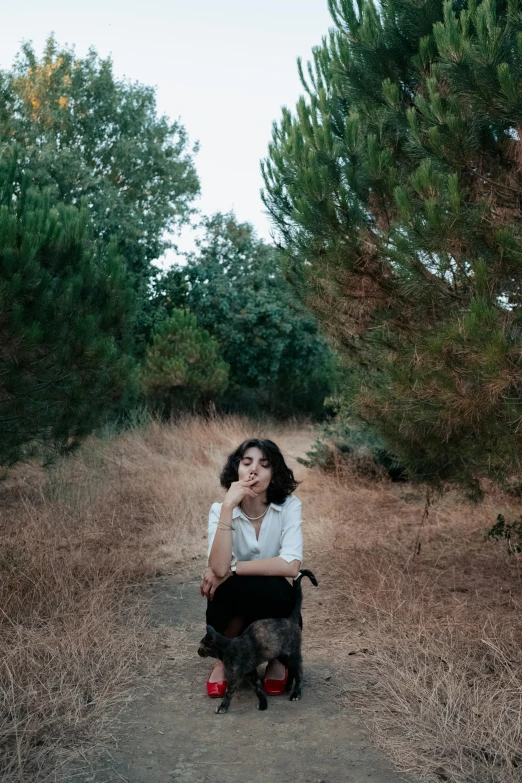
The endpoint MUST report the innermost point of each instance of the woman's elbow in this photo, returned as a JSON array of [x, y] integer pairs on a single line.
[[295, 566], [218, 570]]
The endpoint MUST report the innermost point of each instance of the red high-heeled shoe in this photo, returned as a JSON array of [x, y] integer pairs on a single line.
[[216, 689], [275, 687]]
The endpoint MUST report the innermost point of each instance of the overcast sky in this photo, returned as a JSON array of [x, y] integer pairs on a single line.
[[223, 67]]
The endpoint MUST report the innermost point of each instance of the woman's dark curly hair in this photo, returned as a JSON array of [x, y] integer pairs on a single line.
[[283, 482]]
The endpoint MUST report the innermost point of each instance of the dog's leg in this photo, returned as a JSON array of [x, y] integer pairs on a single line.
[[232, 686], [296, 670], [286, 660], [253, 678]]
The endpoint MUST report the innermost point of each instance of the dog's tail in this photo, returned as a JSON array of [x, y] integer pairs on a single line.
[[298, 591]]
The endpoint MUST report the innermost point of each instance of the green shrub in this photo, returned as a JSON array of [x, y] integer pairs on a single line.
[[353, 444], [511, 533], [183, 367]]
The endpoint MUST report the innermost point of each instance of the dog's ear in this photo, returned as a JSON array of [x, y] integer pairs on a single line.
[[217, 638]]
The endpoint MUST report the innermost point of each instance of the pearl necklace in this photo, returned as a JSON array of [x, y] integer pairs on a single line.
[[253, 519]]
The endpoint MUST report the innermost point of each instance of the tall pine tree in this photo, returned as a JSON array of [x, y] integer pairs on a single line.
[[66, 308], [395, 188]]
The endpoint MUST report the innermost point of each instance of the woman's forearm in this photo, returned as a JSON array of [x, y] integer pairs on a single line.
[[221, 552], [269, 566]]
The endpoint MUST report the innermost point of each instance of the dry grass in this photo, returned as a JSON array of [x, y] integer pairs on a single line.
[[423, 615], [75, 542], [425, 619]]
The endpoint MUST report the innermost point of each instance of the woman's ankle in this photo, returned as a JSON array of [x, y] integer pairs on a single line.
[[218, 672], [275, 670]]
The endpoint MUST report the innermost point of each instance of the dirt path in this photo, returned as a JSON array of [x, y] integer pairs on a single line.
[[171, 732]]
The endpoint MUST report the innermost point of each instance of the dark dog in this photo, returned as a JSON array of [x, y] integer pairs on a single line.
[[261, 641]]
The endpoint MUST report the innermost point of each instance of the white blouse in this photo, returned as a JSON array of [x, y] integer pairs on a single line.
[[280, 534]]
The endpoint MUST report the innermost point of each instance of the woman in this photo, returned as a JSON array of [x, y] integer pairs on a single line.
[[255, 547]]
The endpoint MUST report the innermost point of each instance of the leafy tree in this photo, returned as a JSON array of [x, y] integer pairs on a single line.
[[85, 134], [235, 286], [183, 367], [66, 308], [396, 190]]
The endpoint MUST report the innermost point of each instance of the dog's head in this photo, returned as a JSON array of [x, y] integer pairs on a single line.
[[210, 646]]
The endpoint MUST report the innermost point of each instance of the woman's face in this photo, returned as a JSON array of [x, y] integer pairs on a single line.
[[254, 463]]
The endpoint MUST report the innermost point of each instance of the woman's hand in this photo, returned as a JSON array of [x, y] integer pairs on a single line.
[[210, 583], [240, 489]]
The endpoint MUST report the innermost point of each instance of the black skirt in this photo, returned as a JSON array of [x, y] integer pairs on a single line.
[[250, 597]]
